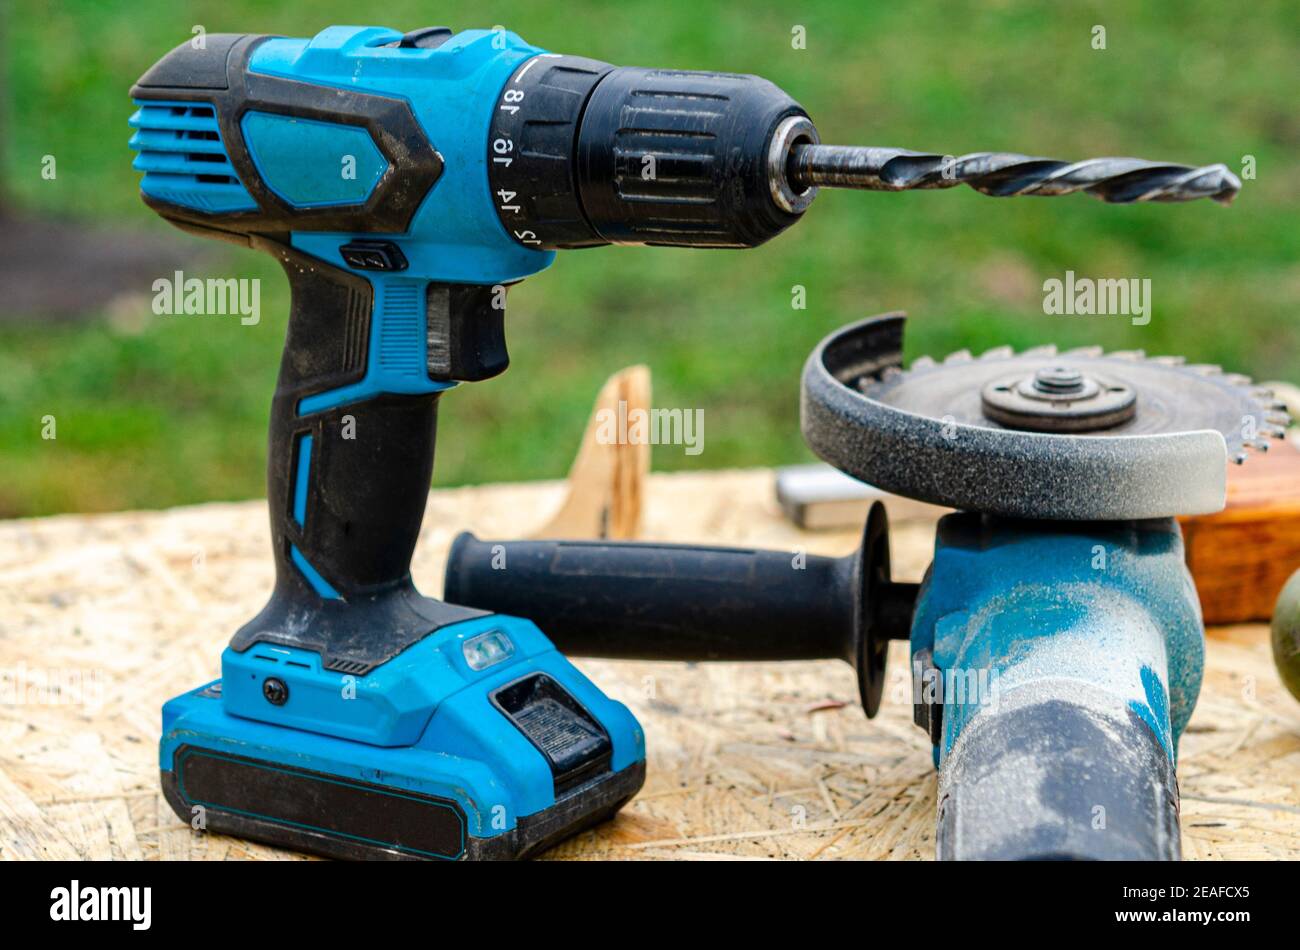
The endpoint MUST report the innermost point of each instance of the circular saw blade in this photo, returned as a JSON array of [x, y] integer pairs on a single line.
[[1172, 397], [928, 432]]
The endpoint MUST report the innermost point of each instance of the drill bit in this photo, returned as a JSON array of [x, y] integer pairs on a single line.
[[1005, 174]]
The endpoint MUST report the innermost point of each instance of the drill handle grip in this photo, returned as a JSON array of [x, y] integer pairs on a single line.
[[350, 460], [348, 480]]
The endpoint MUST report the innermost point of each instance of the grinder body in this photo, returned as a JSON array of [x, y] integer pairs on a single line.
[[1054, 664]]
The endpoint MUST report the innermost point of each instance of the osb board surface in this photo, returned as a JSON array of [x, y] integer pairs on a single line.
[[746, 761]]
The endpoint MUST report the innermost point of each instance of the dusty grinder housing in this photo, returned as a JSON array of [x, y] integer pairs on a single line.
[[1101, 667]]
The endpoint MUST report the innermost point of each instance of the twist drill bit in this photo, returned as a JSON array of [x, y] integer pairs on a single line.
[[1004, 174]]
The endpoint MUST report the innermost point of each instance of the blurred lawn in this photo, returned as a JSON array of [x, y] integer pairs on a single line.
[[155, 411]]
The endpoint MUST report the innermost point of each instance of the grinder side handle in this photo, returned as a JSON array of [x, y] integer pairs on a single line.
[[660, 601]]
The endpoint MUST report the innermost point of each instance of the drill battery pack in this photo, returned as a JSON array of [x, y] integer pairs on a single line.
[[478, 742]]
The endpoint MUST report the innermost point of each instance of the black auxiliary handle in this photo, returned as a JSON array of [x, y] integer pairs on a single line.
[[686, 602]]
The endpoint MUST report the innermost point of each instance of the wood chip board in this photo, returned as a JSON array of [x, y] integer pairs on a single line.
[[747, 761]]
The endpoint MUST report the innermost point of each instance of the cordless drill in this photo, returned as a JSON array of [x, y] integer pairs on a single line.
[[404, 181]]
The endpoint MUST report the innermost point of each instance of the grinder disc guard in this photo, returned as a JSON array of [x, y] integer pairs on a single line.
[[1076, 435]]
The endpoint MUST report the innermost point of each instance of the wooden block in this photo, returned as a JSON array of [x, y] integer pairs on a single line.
[[1241, 556], [605, 482]]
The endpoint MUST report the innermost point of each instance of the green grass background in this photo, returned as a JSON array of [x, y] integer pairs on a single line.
[[157, 411]]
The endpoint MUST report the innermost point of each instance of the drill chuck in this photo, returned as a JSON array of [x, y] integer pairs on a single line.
[[582, 153]]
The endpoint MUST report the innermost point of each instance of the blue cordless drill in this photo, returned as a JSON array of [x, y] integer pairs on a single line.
[[404, 181]]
